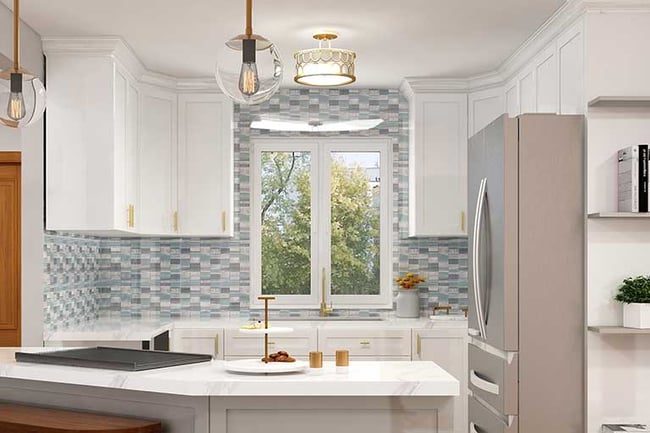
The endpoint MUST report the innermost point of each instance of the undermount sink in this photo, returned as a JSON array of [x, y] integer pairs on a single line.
[[328, 319]]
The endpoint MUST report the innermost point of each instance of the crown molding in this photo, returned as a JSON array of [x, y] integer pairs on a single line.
[[116, 48]]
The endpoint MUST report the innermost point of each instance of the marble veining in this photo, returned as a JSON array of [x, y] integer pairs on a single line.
[[418, 378]]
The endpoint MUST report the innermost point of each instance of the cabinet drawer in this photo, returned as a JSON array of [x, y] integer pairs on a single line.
[[482, 420], [203, 341], [494, 380], [363, 342], [298, 343]]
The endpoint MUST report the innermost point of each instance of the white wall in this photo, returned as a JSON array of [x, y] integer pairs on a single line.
[[29, 141], [617, 64]]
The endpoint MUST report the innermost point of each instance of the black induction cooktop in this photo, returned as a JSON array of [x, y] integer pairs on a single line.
[[113, 358]]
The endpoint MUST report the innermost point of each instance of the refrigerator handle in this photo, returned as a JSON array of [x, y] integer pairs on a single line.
[[472, 428], [476, 243], [483, 384]]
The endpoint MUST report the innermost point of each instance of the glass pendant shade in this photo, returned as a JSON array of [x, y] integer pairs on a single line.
[[22, 98], [325, 66], [249, 69]]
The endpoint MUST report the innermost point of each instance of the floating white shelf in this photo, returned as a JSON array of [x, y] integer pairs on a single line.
[[633, 215], [620, 101], [618, 330]]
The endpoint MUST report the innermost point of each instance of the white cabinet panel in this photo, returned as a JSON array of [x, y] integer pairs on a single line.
[[298, 343], [205, 165], [157, 157], [366, 343], [512, 100], [547, 83], [448, 349], [438, 165], [527, 93], [86, 136], [203, 341], [570, 52], [131, 155], [484, 107]]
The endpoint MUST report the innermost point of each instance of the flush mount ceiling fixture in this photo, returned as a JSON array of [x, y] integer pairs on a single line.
[[249, 69], [22, 95], [325, 66]]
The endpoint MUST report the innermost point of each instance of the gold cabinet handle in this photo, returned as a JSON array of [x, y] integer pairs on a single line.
[[223, 221], [462, 221], [418, 344], [216, 344], [271, 343], [364, 343], [175, 221], [130, 216]]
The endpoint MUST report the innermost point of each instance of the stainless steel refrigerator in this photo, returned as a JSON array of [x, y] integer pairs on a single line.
[[526, 275]]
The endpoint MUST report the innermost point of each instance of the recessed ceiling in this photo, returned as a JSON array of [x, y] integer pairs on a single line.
[[393, 39]]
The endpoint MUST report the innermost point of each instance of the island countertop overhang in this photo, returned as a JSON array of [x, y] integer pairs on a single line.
[[364, 378]]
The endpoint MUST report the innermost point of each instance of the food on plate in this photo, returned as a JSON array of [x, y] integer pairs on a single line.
[[280, 356]]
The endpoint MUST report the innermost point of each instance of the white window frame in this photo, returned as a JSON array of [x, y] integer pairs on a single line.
[[320, 243]]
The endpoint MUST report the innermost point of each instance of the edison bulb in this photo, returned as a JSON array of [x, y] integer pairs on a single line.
[[249, 82], [16, 106]]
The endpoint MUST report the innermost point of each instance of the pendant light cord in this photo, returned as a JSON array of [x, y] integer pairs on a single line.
[[249, 18], [16, 28]]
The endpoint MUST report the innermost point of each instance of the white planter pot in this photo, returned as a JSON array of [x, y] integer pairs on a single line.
[[636, 316], [408, 303]]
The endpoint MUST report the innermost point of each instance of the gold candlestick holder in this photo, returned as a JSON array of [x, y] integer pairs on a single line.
[[266, 300]]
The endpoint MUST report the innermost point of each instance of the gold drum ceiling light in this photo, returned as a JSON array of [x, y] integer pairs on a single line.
[[325, 66]]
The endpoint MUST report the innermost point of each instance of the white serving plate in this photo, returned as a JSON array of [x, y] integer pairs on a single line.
[[256, 366], [272, 330]]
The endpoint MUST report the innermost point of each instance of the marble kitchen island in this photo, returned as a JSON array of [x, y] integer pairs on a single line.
[[382, 397]]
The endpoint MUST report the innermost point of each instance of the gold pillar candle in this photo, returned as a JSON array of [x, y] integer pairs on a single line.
[[315, 359], [342, 361]]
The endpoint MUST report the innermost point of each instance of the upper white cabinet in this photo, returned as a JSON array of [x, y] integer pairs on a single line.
[[157, 158], [205, 165], [126, 156], [437, 164], [90, 137]]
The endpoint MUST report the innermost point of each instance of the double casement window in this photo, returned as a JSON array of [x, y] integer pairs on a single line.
[[321, 222]]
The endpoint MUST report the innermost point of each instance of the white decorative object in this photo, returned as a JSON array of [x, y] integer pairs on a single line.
[[636, 316], [408, 303], [257, 366]]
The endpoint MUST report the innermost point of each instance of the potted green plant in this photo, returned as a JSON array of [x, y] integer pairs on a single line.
[[635, 296]]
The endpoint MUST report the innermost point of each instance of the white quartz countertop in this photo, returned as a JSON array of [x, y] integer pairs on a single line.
[[395, 378], [116, 329]]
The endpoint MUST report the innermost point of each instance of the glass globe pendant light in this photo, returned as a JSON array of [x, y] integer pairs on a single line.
[[22, 95], [249, 69]]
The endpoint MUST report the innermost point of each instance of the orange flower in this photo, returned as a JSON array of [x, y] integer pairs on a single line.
[[409, 281]]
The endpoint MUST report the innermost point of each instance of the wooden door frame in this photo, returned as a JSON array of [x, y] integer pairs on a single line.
[[15, 158]]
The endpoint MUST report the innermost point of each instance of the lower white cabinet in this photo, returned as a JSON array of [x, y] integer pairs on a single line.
[[447, 347], [204, 341], [366, 344], [297, 343]]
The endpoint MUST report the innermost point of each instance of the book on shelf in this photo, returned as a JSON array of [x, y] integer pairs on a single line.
[[609, 428], [633, 178]]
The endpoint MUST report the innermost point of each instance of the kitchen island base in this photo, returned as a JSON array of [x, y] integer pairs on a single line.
[[243, 414]]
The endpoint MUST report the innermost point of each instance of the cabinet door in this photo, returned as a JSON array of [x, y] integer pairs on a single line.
[[203, 341], [438, 165], [298, 343], [157, 153], [448, 349], [205, 165], [131, 155], [366, 343]]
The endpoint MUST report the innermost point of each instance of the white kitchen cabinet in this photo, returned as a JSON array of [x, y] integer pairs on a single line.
[[447, 347], [89, 136], [157, 162], [203, 341], [437, 164], [205, 165], [297, 343], [366, 344]]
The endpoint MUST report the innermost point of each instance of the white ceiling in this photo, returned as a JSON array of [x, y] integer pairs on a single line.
[[393, 38]]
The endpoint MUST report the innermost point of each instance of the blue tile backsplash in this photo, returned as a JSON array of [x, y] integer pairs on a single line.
[[88, 277]]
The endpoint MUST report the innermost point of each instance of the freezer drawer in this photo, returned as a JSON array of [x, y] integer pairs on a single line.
[[494, 380], [482, 420]]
